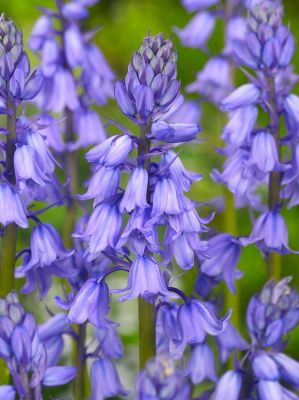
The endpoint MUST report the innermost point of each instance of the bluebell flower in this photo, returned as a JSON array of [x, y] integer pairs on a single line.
[[73, 46], [162, 380], [198, 31], [103, 184], [245, 95], [136, 191], [270, 231], [91, 303], [110, 342], [102, 230], [174, 133], [90, 127], [268, 328], [201, 365], [230, 340], [240, 125], [228, 386], [214, 81], [104, 380], [196, 320], [145, 279], [291, 106], [112, 152], [193, 5], [46, 247], [7, 392], [223, 255], [11, 206], [56, 376]]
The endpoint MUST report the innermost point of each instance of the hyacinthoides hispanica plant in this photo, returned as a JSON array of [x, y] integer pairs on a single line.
[[77, 77], [154, 199], [264, 155], [27, 175], [213, 83]]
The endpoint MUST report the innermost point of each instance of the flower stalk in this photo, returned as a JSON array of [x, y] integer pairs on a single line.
[[146, 310], [9, 239]]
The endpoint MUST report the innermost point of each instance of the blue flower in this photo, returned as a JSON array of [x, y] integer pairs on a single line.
[[228, 386], [145, 279], [11, 206], [136, 191]]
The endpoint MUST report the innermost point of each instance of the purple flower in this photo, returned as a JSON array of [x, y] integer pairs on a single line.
[[7, 392], [46, 247], [245, 95], [288, 369], [112, 152], [104, 380], [291, 106], [11, 206], [223, 253], [73, 46], [214, 81], [193, 5], [196, 319], [270, 231], [102, 230], [91, 303], [229, 386], [201, 365], [145, 279], [103, 184], [161, 379], [90, 127], [56, 376], [136, 191], [174, 133], [198, 31], [229, 341], [240, 125]]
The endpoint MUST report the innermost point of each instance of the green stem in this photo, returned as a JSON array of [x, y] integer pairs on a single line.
[[9, 238], [79, 384], [146, 310], [274, 259], [232, 300]]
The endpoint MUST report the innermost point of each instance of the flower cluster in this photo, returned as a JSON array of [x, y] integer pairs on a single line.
[[214, 81], [271, 314], [31, 352], [64, 52], [253, 153], [154, 198]]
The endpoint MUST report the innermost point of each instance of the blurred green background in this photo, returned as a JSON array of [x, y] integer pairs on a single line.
[[123, 25]]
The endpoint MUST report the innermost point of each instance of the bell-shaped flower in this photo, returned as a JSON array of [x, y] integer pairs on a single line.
[[90, 127], [228, 386], [265, 368], [288, 369], [50, 57], [270, 231], [59, 92], [102, 230], [146, 280], [139, 234], [223, 255], [214, 81], [269, 390], [7, 392], [40, 32], [112, 152], [27, 166], [136, 191], [74, 11], [193, 5], [201, 365], [144, 101], [240, 125], [11, 207], [46, 247], [196, 319], [125, 103], [229, 341], [198, 31], [104, 380], [103, 184], [291, 106], [91, 304], [174, 132], [74, 46], [110, 342], [245, 95], [56, 376]]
